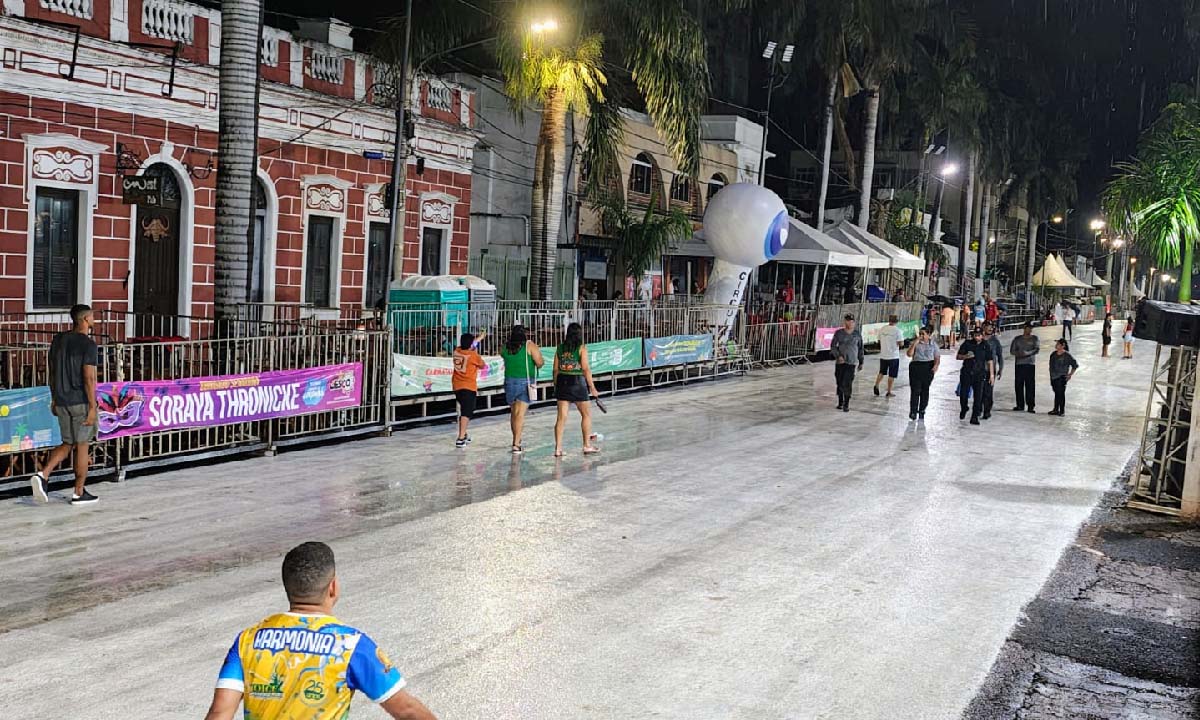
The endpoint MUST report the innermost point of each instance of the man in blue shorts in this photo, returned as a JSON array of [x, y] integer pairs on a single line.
[[305, 663]]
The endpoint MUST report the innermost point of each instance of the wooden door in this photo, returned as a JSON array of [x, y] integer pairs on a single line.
[[156, 260]]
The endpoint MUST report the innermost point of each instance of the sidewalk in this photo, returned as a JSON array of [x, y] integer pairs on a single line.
[[1115, 632]]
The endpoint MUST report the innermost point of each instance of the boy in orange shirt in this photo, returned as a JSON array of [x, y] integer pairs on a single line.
[[465, 381]]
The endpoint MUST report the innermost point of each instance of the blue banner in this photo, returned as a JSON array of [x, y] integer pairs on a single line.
[[26, 422], [678, 349]]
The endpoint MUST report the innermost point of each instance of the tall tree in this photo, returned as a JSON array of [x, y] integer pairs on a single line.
[[1156, 196], [237, 122], [880, 36]]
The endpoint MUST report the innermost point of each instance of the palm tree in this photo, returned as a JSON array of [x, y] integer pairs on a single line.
[[238, 123], [561, 79], [651, 52], [1156, 196], [880, 35], [642, 241]]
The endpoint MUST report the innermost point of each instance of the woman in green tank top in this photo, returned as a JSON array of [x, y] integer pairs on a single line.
[[573, 385], [522, 359]]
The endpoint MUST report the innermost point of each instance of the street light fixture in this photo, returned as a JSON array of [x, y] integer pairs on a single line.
[[785, 59], [1057, 219], [949, 169], [1096, 225]]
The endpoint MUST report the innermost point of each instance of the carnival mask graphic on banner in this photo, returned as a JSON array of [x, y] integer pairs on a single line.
[[157, 405]]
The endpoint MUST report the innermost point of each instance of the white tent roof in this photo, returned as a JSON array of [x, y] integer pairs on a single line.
[[1097, 281], [901, 259], [1054, 274], [805, 244], [1063, 264], [875, 258]]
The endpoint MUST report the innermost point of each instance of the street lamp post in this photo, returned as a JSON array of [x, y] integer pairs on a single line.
[[1132, 268], [934, 222], [784, 59]]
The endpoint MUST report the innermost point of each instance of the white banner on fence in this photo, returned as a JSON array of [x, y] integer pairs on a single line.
[[418, 375]]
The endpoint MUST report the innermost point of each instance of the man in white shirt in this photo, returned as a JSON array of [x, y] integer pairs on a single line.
[[889, 354]]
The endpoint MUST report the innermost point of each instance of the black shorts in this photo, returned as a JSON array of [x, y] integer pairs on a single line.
[[571, 388], [891, 368], [1107, 339], [466, 402]]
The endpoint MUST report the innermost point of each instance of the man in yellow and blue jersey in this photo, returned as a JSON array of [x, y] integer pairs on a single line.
[[305, 663]]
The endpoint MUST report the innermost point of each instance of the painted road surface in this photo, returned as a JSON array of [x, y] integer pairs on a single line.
[[739, 550]]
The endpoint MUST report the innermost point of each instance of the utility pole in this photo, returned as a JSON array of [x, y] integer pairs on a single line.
[[400, 157]]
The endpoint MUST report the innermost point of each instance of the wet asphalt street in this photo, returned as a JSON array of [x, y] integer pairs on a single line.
[[739, 550]]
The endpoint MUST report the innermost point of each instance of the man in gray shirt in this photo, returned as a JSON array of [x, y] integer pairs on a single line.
[[847, 351], [72, 373], [1024, 348]]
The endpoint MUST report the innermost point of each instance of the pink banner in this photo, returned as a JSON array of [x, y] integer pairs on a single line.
[[133, 408]]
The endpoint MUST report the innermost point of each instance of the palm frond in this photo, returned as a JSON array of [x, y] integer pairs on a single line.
[[667, 59], [643, 240], [603, 139]]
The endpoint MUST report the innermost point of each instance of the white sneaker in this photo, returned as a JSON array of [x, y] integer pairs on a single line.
[[37, 483]]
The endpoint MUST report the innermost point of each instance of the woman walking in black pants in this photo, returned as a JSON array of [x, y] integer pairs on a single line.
[[1062, 368], [926, 357]]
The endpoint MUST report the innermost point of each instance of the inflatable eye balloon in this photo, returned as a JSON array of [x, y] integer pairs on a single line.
[[745, 226]]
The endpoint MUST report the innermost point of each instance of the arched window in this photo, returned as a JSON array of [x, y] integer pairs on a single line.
[[641, 175], [681, 189], [715, 183]]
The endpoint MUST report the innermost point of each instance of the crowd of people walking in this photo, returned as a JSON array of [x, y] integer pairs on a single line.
[[982, 356]]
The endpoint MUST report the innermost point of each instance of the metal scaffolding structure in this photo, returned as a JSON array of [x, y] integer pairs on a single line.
[[1162, 456]]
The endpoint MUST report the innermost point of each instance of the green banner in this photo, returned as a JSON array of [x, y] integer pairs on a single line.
[[603, 357]]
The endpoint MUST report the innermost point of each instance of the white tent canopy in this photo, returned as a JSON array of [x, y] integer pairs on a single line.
[[901, 259], [805, 244], [1054, 274], [1096, 280], [1063, 264], [875, 259]]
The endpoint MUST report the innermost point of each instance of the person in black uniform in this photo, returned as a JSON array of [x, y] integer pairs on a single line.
[[978, 368]]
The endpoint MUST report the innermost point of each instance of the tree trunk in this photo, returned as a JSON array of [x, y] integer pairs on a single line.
[[830, 101], [1185, 273], [843, 138], [967, 198], [864, 210], [985, 216], [238, 156], [545, 217]]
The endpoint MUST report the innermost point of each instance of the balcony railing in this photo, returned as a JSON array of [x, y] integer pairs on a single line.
[[168, 20], [74, 8], [330, 68]]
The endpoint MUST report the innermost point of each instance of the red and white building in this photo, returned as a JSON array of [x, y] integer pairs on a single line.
[[94, 90]]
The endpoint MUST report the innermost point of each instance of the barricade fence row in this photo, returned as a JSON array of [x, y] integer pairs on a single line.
[[649, 345]]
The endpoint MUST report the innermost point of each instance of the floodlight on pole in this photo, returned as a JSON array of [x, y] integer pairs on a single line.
[[547, 25], [784, 59], [1096, 225], [1057, 219], [949, 169]]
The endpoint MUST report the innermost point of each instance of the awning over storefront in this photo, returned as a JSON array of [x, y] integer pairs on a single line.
[[848, 234], [901, 258]]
